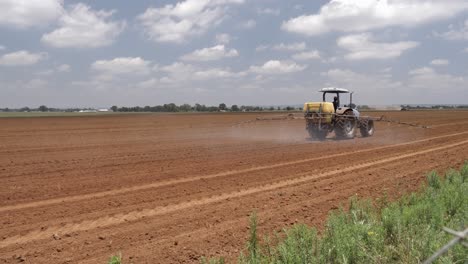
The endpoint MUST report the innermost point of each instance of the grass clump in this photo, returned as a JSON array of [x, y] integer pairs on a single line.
[[117, 259], [406, 231]]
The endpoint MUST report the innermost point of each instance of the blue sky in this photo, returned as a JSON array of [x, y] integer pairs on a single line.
[[261, 52]]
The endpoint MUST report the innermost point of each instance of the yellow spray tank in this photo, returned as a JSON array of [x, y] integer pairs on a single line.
[[324, 108]]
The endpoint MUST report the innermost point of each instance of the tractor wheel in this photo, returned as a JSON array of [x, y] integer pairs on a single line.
[[346, 127], [316, 133], [367, 130]]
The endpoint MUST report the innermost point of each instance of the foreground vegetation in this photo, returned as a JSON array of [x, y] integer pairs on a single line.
[[406, 231]]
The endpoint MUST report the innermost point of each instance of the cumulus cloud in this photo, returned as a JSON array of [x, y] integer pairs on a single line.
[[465, 50], [177, 23], [373, 88], [29, 13], [21, 58], [82, 27], [268, 11], [151, 83], [307, 55], [421, 71], [298, 46], [177, 72], [440, 62], [124, 65], [423, 85], [223, 38], [430, 82], [454, 33], [180, 73], [216, 73], [2, 47], [249, 24], [262, 48], [64, 68], [210, 54], [351, 15], [363, 46], [277, 67]]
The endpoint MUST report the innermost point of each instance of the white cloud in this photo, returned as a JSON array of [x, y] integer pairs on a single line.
[[423, 85], [82, 27], [362, 46], [299, 46], [59, 69], [210, 54], [465, 50], [223, 38], [2, 47], [216, 73], [123, 65], [177, 72], [151, 83], [421, 71], [431, 83], [277, 67], [455, 34], [307, 55], [351, 15], [177, 23], [21, 58], [29, 13], [64, 68], [370, 88], [262, 48], [440, 62], [38, 84], [268, 11], [249, 24]]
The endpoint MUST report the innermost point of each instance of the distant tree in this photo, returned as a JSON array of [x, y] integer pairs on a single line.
[[43, 108], [212, 109], [288, 108], [279, 108], [222, 106], [234, 108], [185, 108], [171, 107], [271, 108], [114, 108], [25, 109]]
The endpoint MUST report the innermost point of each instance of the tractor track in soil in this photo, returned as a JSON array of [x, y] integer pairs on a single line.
[[206, 177], [198, 207], [138, 215]]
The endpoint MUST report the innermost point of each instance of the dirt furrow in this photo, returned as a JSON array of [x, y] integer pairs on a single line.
[[137, 215], [197, 178]]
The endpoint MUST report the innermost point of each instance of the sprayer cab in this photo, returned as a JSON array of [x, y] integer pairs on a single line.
[[336, 98]]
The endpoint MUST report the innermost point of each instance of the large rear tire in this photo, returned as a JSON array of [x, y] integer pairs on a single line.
[[367, 130], [346, 126]]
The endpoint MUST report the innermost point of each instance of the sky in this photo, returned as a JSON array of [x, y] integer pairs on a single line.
[[66, 53]]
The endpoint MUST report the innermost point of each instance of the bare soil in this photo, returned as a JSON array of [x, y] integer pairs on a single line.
[[168, 188]]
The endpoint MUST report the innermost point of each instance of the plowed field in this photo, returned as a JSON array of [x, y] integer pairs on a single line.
[[170, 188]]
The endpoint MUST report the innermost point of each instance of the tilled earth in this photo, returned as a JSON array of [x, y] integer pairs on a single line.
[[170, 188]]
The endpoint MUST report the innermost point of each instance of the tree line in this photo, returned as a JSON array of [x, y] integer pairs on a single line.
[[199, 108], [162, 108]]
